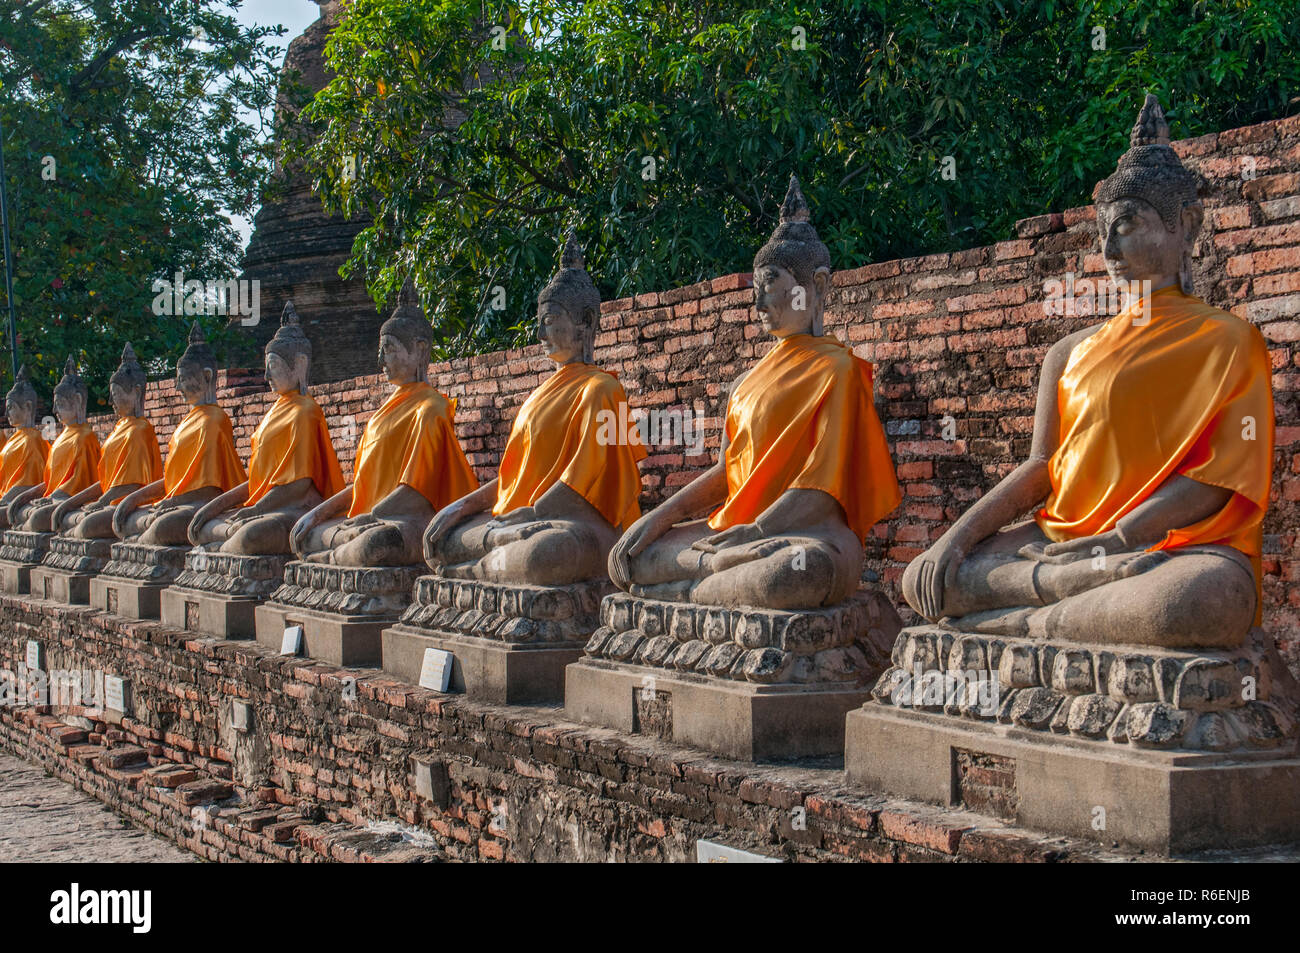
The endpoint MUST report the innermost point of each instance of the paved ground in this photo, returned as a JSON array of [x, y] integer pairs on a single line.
[[43, 819]]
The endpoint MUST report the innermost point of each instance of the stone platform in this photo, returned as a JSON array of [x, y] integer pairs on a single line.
[[20, 551], [217, 593], [342, 609], [64, 574], [134, 577], [747, 683], [1167, 751], [510, 644]]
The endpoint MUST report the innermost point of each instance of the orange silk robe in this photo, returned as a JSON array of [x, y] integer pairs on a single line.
[[293, 442], [202, 453], [22, 461], [1188, 392], [411, 440], [130, 455], [803, 418], [567, 431], [73, 463]]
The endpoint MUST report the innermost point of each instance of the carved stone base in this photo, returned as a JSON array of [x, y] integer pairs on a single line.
[[1170, 751], [328, 636], [70, 563], [216, 593], [129, 598], [60, 585], [747, 683], [134, 577], [19, 552], [510, 643]]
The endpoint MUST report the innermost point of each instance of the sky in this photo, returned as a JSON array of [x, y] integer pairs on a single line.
[[295, 16]]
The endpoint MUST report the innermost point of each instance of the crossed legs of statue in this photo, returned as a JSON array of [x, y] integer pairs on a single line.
[[92, 521], [168, 527], [364, 540], [544, 552], [1193, 597], [791, 572]]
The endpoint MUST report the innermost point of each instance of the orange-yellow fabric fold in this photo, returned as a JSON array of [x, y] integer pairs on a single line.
[[202, 453], [130, 455], [411, 440], [1184, 388], [293, 443], [803, 418], [73, 463], [573, 430], [22, 461]]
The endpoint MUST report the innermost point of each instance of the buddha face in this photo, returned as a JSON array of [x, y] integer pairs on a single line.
[[783, 305], [21, 413], [125, 400], [281, 376], [401, 364], [194, 381], [1138, 247], [69, 408], [560, 333]]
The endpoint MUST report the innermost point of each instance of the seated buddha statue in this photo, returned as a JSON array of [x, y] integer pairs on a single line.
[[128, 460], [564, 491], [804, 470], [1149, 471], [292, 467], [409, 463], [73, 462], [201, 459], [22, 461]]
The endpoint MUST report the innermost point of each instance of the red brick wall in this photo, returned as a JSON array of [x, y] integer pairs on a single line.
[[960, 334]]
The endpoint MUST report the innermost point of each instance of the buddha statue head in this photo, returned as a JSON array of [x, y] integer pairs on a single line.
[[568, 308], [792, 272], [1148, 211], [288, 355], [404, 340], [126, 386], [20, 402], [196, 371], [70, 396]]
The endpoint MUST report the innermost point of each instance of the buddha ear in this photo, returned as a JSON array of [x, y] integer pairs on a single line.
[[822, 282], [591, 322], [1193, 217], [301, 368]]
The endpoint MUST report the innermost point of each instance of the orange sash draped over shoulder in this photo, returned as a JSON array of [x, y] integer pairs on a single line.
[[73, 463], [568, 431], [411, 440], [1188, 391], [22, 461], [202, 453], [803, 418], [291, 443], [130, 455]]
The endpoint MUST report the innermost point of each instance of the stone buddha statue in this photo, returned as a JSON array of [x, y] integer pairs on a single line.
[[201, 459], [128, 460], [804, 470], [22, 460], [73, 462], [408, 466], [292, 467], [565, 491], [1151, 459]]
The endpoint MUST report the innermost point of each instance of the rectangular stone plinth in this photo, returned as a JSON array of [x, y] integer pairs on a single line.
[[338, 639], [129, 598], [1170, 802], [19, 552], [494, 672], [15, 578], [210, 613], [61, 585], [743, 720]]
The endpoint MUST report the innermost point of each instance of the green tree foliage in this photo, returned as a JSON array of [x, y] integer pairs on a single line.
[[564, 104], [133, 129]]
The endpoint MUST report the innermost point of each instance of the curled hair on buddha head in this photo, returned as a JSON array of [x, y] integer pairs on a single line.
[[1151, 171], [130, 377], [198, 351], [289, 342], [71, 385], [794, 244], [22, 392], [574, 290], [408, 324]]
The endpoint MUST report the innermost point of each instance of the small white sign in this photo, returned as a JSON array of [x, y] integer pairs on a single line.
[[34, 655], [291, 644], [708, 852], [115, 693], [435, 673]]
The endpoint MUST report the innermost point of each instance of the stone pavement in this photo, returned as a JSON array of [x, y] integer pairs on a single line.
[[43, 819]]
